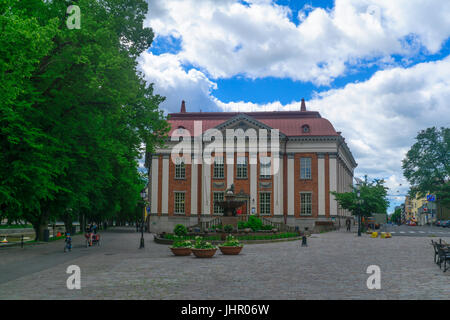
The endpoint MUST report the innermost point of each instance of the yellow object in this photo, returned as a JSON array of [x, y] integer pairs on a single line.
[[383, 235], [4, 241], [388, 235], [374, 234]]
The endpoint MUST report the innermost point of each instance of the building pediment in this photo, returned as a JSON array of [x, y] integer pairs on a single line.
[[245, 122]]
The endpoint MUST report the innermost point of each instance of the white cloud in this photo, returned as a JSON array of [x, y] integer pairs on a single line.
[[381, 117], [225, 38], [173, 82]]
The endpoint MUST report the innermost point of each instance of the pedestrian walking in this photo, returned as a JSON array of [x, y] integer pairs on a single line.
[[349, 224]]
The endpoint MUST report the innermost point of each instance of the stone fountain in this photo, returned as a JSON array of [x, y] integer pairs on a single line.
[[230, 204]]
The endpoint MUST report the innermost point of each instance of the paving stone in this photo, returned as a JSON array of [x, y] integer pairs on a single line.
[[333, 266]]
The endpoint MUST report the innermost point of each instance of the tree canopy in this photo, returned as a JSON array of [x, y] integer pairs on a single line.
[[427, 164], [75, 113], [373, 198]]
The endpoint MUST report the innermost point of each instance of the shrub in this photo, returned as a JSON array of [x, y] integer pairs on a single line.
[[254, 223], [242, 225], [228, 228], [180, 230], [267, 227]]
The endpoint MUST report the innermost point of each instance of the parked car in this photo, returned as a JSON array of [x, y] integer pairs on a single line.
[[411, 223], [438, 223], [446, 224]]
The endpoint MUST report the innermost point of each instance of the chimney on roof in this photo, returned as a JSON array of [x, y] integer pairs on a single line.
[[303, 107], [183, 107]]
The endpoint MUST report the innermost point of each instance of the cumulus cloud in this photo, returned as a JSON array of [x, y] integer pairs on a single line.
[[381, 117], [172, 81], [227, 38], [257, 38]]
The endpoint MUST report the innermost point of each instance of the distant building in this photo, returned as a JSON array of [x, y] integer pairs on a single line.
[[408, 208]]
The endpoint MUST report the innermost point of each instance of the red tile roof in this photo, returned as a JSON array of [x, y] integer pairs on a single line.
[[289, 123]]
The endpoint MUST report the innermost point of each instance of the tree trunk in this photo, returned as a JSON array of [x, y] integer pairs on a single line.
[[68, 223], [39, 228]]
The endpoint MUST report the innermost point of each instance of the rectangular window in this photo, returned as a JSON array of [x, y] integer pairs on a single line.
[[179, 202], [264, 203], [305, 168], [264, 168], [241, 167], [218, 196], [218, 168], [306, 204], [180, 168]]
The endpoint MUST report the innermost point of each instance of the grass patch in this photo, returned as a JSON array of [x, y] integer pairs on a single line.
[[16, 226]]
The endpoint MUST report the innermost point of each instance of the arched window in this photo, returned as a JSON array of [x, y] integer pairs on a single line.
[[180, 129], [305, 128]]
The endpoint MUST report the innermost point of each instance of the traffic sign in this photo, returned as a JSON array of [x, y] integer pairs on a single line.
[[431, 198]]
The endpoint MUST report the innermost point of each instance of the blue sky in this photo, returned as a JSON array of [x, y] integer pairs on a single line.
[[377, 69]]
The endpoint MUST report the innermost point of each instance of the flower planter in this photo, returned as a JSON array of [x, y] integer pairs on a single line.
[[228, 250], [181, 251], [204, 253]]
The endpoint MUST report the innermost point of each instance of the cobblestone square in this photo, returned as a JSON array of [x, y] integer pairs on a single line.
[[333, 266]]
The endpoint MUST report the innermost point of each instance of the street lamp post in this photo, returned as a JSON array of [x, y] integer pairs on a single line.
[[143, 196], [358, 194]]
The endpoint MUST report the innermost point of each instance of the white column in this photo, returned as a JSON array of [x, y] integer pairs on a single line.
[[154, 180], [278, 187], [165, 185], [321, 184], [253, 185], [230, 174], [206, 188], [333, 185], [290, 185], [194, 187]]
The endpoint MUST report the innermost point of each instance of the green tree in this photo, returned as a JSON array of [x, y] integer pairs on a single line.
[[373, 198], [427, 164], [397, 216], [86, 114]]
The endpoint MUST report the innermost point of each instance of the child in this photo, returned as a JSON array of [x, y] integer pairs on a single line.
[[68, 242]]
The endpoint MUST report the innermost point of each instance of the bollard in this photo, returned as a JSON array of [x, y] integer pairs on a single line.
[[21, 242]]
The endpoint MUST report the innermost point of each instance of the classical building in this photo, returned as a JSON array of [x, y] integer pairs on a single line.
[[289, 181]]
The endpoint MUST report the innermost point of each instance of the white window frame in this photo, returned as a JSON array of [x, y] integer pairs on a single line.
[[305, 168], [305, 205], [265, 164], [217, 209], [241, 167], [181, 202], [180, 168], [219, 168], [264, 207]]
